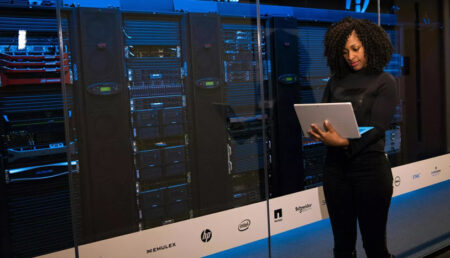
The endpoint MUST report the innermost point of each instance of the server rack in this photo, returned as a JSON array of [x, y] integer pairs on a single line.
[[105, 187], [314, 74], [285, 154], [244, 114], [35, 208], [158, 118], [166, 93], [207, 114], [393, 140]]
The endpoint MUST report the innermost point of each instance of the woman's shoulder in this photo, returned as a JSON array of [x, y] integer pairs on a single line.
[[386, 83], [386, 77]]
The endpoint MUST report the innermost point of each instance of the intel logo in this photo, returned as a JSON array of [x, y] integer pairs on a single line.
[[397, 181], [244, 225]]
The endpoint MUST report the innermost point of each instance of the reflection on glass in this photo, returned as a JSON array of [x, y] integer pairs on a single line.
[[166, 119], [314, 75], [188, 113], [244, 117]]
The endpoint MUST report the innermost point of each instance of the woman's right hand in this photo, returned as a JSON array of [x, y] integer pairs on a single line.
[[330, 137]]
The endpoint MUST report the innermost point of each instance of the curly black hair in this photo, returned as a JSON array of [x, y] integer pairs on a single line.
[[378, 48]]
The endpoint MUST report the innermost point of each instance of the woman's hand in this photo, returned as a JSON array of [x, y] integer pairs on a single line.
[[330, 137]]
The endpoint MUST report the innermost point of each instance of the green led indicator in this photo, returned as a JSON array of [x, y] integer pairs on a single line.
[[288, 79], [210, 83], [105, 89]]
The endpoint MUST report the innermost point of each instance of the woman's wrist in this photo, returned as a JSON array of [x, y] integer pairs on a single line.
[[345, 143]]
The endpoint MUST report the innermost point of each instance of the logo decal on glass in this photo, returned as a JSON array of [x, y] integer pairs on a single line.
[[397, 181], [244, 225], [278, 215], [206, 235]]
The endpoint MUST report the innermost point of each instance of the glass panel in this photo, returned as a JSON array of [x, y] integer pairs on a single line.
[[422, 90], [168, 127], [297, 208], [177, 116]]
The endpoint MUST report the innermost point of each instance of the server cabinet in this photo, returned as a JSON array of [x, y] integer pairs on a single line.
[[101, 110], [194, 118], [35, 198], [210, 167], [157, 96], [286, 170]]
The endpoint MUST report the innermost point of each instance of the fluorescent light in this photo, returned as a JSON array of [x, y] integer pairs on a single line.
[[22, 39]]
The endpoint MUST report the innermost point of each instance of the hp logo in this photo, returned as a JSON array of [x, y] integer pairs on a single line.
[[206, 235]]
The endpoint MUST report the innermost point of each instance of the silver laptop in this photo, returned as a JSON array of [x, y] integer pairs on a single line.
[[339, 114]]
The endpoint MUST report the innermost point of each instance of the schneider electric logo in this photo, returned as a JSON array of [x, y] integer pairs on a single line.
[[303, 208], [206, 235], [278, 215], [160, 248], [436, 171]]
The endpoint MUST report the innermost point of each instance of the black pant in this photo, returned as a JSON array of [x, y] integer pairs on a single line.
[[358, 189]]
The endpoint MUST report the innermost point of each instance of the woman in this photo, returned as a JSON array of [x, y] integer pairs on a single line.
[[357, 178]]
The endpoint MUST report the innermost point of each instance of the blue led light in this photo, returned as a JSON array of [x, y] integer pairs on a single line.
[[18, 170], [38, 178], [358, 7]]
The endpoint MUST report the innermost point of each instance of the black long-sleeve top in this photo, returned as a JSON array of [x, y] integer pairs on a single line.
[[374, 98]]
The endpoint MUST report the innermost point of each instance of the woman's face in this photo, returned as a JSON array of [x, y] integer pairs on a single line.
[[354, 53]]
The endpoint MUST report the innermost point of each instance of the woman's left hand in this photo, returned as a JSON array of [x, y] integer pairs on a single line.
[[330, 137]]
